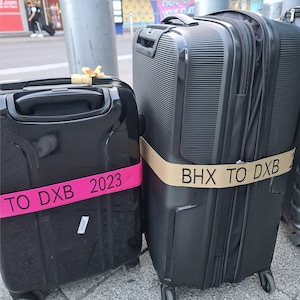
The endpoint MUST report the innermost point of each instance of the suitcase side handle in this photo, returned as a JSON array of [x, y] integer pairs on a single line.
[[58, 105], [184, 20]]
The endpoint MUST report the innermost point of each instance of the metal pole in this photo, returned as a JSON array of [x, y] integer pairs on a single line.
[[204, 7], [131, 24], [90, 35]]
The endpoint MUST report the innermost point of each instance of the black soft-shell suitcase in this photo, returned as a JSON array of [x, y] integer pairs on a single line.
[[70, 182], [49, 29], [220, 98]]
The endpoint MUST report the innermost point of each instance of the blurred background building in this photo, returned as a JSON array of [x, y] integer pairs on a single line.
[[128, 14]]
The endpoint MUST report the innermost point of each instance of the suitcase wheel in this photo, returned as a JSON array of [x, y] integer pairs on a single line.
[[34, 295], [167, 292], [267, 281], [295, 238]]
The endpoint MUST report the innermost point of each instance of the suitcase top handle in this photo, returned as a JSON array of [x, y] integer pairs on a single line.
[[184, 20], [58, 104]]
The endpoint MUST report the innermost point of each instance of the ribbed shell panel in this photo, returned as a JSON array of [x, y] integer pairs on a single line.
[[155, 87], [287, 90], [203, 92]]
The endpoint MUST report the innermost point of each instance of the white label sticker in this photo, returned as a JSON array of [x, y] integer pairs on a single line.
[[83, 224]]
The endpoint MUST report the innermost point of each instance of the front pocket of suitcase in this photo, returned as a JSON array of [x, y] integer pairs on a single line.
[[189, 246]]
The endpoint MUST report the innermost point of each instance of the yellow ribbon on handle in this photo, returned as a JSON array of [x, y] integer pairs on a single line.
[[81, 79], [216, 176], [86, 78]]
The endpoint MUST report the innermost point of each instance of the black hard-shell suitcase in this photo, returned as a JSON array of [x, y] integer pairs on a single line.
[[70, 182], [49, 29], [217, 90], [291, 208]]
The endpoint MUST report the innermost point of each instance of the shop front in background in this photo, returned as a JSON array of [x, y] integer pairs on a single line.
[[14, 13], [51, 14]]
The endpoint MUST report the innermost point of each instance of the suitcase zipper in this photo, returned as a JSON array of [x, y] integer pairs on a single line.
[[244, 94], [234, 240], [260, 116], [256, 123]]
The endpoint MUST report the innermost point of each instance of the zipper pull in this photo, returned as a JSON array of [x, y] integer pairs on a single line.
[[292, 12]]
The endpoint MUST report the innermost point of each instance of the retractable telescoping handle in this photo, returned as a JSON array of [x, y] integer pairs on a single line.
[[47, 82], [147, 38], [33, 83]]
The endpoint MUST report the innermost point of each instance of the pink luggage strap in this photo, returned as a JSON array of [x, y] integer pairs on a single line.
[[63, 193]]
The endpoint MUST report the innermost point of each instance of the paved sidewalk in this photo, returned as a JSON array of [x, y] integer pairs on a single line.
[[141, 282]]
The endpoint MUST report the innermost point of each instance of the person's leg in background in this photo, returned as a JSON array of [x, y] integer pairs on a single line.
[[33, 28], [39, 28]]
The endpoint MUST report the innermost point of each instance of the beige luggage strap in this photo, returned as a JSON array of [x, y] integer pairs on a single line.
[[216, 176]]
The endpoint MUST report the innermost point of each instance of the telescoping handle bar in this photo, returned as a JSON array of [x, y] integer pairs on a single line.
[[48, 82]]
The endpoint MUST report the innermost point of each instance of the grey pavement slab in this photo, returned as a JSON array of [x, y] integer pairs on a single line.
[[141, 282]]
